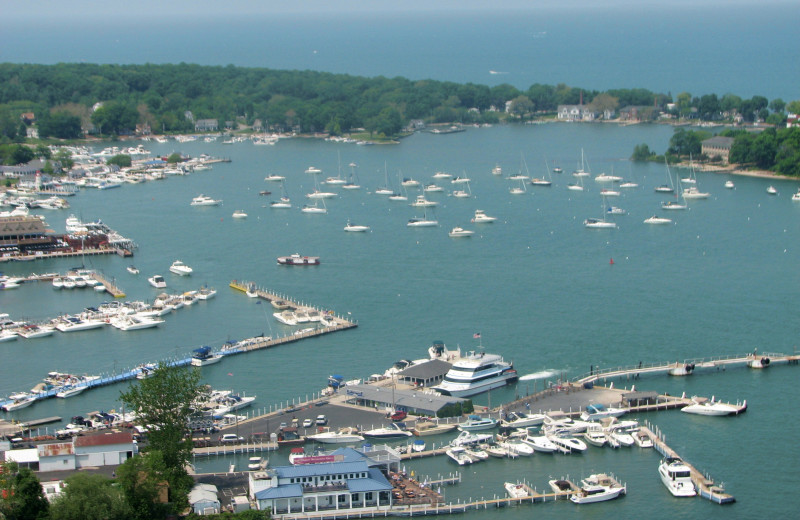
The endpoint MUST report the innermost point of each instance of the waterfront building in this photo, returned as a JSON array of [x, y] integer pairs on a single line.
[[85, 451], [416, 401], [717, 147]]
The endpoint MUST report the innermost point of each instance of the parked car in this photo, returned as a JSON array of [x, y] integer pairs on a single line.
[[321, 420], [398, 415], [230, 437], [308, 423]]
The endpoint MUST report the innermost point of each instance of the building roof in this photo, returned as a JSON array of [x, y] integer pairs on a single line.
[[203, 493], [428, 370], [402, 399], [103, 439], [285, 491], [326, 468], [718, 142], [375, 482]]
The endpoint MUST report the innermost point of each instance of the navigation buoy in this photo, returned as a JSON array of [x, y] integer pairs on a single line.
[[611, 262]]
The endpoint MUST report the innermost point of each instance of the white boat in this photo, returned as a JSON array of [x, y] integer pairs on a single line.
[[274, 178], [693, 192], [441, 175], [772, 190], [796, 196], [336, 437], [7, 335], [255, 464], [481, 217], [477, 423], [713, 407], [609, 193], [605, 177], [135, 322], [206, 293], [471, 438], [729, 185], [600, 223], [393, 431], [312, 169], [475, 373], [516, 446], [70, 391], [677, 477], [180, 268], [203, 200], [515, 490], [418, 446], [282, 203], [669, 187], [355, 228], [622, 432], [522, 420], [58, 282], [497, 170], [20, 403], [567, 443], [316, 208], [132, 269], [296, 454], [409, 183], [657, 220], [540, 443], [433, 188], [595, 436], [239, 214], [595, 412], [422, 202], [459, 180], [422, 222], [673, 205], [597, 488], [74, 323], [203, 356], [459, 232], [614, 210], [36, 331], [318, 194], [425, 428], [642, 439], [459, 455], [476, 453], [157, 281]]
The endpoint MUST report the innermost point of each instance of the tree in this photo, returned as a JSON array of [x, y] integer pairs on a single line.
[[61, 125], [777, 105], [163, 403], [122, 160], [142, 480], [603, 102], [641, 152], [21, 494], [64, 157], [90, 497], [521, 106], [793, 107], [174, 158]]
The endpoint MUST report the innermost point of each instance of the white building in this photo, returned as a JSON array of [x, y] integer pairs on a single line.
[[83, 451], [336, 486], [203, 499]]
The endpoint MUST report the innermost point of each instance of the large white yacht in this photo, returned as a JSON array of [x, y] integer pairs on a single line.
[[475, 373], [677, 477]]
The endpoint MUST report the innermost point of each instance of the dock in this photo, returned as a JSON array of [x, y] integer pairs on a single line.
[[111, 289], [703, 484]]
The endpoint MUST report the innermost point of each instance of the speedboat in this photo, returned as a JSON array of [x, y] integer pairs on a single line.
[[441, 175], [458, 232], [206, 293], [657, 220], [609, 193], [729, 185], [517, 447], [796, 196], [422, 222], [422, 202], [566, 443], [597, 223], [476, 423], [312, 169], [604, 177], [595, 436], [772, 190], [432, 187], [460, 194], [392, 431], [282, 203], [36, 331], [597, 488], [132, 269], [8, 335], [135, 322], [180, 268], [296, 259], [74, 323], [295, 454], [642, 439], [471, 438], [595, 412], [69, 391], [317, 194], [355, 228], [274, 177], [409, 183], [522, 420], [336, 437], [481, 216], [677, 477], [255, 463], [418, 446], [425, 428], [202, 200], [713, 407], [540, 443], [515, 490], [692, 192], [613, 210], [672, 204], [459, 180], [157, 281], [22, 402], [459, 455], [664, 188], [475, 373]]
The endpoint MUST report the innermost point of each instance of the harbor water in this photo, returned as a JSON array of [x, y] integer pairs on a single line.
[[541, 290]]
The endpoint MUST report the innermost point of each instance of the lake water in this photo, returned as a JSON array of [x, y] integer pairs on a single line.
[[538, 286]]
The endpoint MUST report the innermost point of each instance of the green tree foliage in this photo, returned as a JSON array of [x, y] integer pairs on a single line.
[[122, 160], [776, 150], [13, 154], [21, 494], [163, 402], [174, 158], [116, 118], [90, 497], [641, 152], [687, 142], [793, 107], [64, 157], [521, 107], [142, 480], [61, 125]]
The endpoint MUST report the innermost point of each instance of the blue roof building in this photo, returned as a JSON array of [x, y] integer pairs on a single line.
[[347, 485]]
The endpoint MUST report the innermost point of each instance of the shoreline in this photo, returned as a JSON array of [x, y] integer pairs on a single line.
[[763, 174]]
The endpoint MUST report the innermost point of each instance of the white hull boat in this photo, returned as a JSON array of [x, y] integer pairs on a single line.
[[459, 455], [330, 437], [677, 477], [71, 391], [180, 268], [714, 408]]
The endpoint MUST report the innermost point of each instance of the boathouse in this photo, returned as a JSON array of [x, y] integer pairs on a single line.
[[427, 374], [353, 487], [416, 401]]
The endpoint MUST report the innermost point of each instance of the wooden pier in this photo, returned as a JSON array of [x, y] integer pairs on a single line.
[[111, 289], [234, 449], [704, 484]]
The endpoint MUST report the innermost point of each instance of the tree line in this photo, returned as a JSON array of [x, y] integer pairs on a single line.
[[69, 98]]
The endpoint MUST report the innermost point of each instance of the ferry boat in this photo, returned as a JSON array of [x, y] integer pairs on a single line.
[[296, 259], [677, 477], [475, 373]]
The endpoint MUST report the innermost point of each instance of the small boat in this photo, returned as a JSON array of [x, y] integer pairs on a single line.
[[729, 185], [613, 210], [515, 490], [132, 269], [497, 170], [642, 439], [74, 323], [476, 423], [672, 205], [392, 431], [459, 455], [297, 259], [422, 222], [432, 188], [517, 447], [692, 192], [567, 443], [157, 281], [425, 428], [470, 438], [19, 403], [282, 203], [274, 178], [203, 356], [796, 196], [476, 453], [295, 454], [180, 268], [609, 193], [561, 486], [239, 214], [458, 232], [522, 420], [422, 202], [312, 169], [70, 391], [145, 370], [598, 223], [460, 194], [7, 335], [713, 407], [595, 436], [355, 228], [657, 220], [772, 190], [482, 217], [202, 200], [595, 412], [442, 175], [418, 446], [36, 331], [135, 322], [255, 463], [677, 477], [597, 488], [459, 180], [605, 177]]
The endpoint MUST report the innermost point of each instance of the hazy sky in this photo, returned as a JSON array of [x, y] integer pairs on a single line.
[[55, 9]]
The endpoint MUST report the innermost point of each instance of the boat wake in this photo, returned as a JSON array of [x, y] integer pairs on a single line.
[[544, 374]]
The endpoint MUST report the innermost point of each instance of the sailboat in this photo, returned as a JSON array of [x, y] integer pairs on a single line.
[[543, 182], [520, 176], [385, 189], [319, 194], [284, 202], [399, 195], [461, 194], [422, 222], [693, 192], [315, 208], [673, 204], [352, 182], [666, 188], [338, 179], [581, 172], [600, 223], [576, 186], [518, 190]]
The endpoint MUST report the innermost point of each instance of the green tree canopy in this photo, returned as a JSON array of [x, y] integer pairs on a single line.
[[122, 160], [61, 125], [21, 494], [90, 497]]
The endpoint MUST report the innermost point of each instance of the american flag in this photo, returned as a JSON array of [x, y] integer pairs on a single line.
[[477, 335]]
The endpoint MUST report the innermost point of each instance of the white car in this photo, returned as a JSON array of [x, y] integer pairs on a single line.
[[230, 437], [322, 420], [308, 423]]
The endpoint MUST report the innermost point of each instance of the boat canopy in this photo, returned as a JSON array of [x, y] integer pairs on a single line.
[[595, 408], [201, 352]]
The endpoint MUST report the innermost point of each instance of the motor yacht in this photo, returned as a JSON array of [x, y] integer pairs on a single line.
[[657, 220], [203, 200], [729, 185], [714, 407], [135, 322], [297, 259], [180, 268], [132, 269], [336, 437], [239, 214], [677, 477], [75, 323], [475, 373], [522, 420], [598, 223], [459, 455], [274, 178], [355, 228], [515, 490], [692, 192], [597, 488], [482, 217], [595, 412], [422, 222], [772, 190], [477, 423], [70, 391], [458, 232], [393, 431]]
